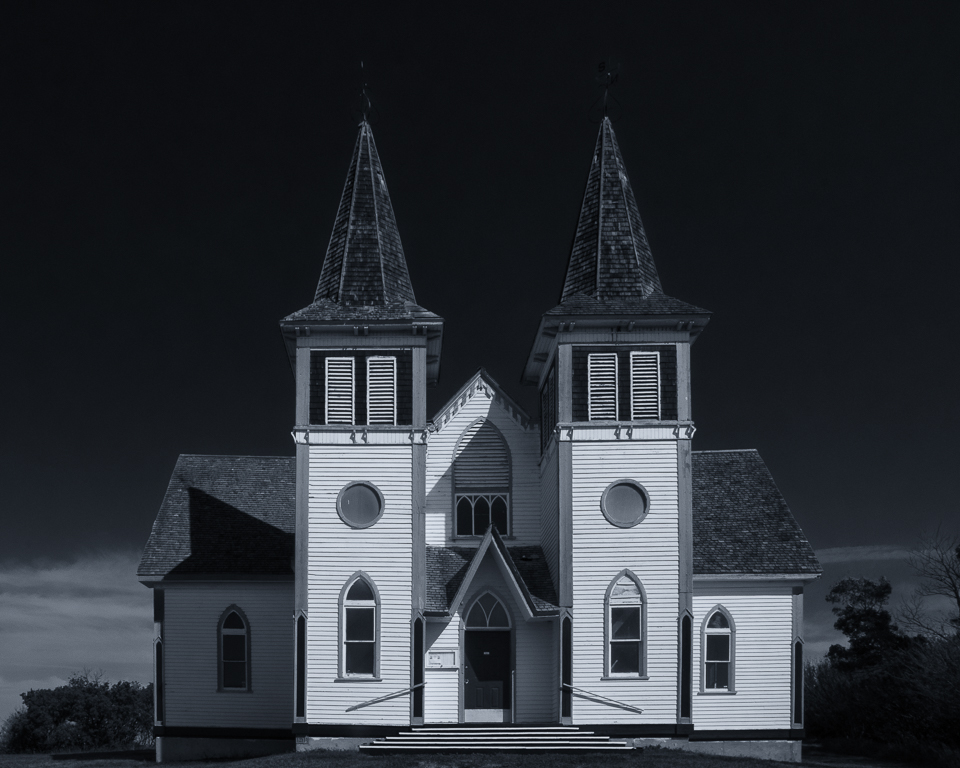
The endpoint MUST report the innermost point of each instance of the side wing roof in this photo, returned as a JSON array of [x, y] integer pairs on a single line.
[[224, 515], [741, 522]]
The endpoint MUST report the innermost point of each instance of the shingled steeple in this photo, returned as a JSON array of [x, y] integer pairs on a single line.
[[612, 284], [610, 257], [364, 265], [364, 284]]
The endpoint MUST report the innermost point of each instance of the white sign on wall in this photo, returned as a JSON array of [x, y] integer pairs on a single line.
[[443, 658]]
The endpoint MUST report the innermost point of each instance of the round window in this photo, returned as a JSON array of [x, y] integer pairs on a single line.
[[624, 503], [360, 505]]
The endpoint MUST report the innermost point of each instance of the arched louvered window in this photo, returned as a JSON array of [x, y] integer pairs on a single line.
[[481, 479], [718, 651], [233, 650], [359, 628], [625, 614]]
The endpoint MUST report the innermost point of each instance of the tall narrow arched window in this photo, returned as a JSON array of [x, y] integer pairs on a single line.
[[301, 681], [625, 622], [233, 650], [481, 480], [717, 651], [158, 681], [359, 628]]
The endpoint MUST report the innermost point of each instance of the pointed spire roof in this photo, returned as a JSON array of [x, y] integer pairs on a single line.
[[364, 279], [364, 273], [611, 275], [611, 257], [364, 265]]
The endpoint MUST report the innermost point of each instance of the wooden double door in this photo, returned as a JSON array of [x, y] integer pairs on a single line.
[[486, 672]]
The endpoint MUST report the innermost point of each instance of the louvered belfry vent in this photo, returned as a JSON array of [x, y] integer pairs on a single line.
[[644, 385], [481, 477], [381, 390], [602, 386], [339, 390], [482, 461]]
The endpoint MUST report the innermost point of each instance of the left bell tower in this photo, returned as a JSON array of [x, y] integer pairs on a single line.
[[363, 354]]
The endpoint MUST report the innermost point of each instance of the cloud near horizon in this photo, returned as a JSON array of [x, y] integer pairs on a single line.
[[60, 618]]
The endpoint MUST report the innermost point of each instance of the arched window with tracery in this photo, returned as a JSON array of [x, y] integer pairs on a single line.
[[625, 622], [481, 481], [233, 650], [718, 651], [359, 628], [488, 613]]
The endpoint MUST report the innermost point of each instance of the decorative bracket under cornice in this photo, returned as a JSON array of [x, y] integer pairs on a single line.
[[351, 435], [594, 431]]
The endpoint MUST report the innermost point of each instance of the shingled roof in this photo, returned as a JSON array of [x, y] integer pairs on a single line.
[[447, 567], [364, 266], [224, 515], [610, 256], [741, 522], [611, 269], [235, 515]]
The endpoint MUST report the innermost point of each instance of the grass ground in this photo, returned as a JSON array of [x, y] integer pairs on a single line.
[[649, 758]]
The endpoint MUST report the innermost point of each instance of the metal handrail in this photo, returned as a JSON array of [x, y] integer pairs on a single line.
[[590, 694], [384, 698]]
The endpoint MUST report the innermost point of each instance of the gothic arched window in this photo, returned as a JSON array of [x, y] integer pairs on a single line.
[[625, 614], [359, 628], [233, 650], [718, 647], [481, 481]]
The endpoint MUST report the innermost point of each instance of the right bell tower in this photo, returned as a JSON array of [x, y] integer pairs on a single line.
[[612, 365]]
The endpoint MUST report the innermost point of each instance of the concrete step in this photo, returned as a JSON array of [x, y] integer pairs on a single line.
[[494, 747], [495, 739]]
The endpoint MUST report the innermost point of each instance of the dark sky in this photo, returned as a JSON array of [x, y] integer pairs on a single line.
[[170, 174]]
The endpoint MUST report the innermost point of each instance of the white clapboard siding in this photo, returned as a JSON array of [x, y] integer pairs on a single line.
[[482, 459], [192, 613], [537, 662], [524, 446], [441, 694], [763, 616], [339, 390], [336, 552], [381, 390], [645, 385], [602, 386], [550, 513], [600, 552]]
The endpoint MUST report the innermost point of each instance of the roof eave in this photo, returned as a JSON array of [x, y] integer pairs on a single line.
[[429, 327], [549, 330]]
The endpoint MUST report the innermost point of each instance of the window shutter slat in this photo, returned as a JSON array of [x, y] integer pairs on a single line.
[[339, 390], [602, 386], [645, 385], [381, 390]]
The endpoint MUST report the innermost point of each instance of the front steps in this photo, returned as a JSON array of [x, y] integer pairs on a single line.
[[518, 738]]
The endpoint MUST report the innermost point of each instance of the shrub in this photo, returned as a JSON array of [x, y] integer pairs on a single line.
[[84, 714]]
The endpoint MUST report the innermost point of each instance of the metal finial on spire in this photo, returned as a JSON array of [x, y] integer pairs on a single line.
[[608, 72], [368, 113]]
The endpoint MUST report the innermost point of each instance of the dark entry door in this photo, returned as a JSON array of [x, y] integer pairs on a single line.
[[486, 673]]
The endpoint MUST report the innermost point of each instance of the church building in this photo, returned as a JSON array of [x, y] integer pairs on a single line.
[[481, 572]]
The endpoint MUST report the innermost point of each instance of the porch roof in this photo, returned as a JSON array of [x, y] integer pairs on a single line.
[[448, 567]]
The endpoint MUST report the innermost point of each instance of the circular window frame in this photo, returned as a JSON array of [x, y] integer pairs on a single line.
[[643, 494], [372, 487]]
